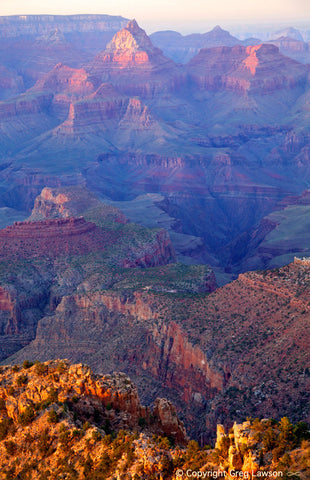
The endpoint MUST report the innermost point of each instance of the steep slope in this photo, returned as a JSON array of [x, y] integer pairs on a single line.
[[144, 69], [83, 426], [294, 48], [221, 146], [69, 412], [173, 339], [34, 44], [254, 69], [281, 235], [43, 251], [10, 83]]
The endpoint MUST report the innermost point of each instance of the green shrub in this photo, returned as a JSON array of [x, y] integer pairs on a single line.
[[86, 426], [53, 395], [11, 447], [5, 427], [22, 380], [61, 367], [27, 416], [52, 416], [27, 364], [45, 444], [41, 368], [96, 436], [142, 422]]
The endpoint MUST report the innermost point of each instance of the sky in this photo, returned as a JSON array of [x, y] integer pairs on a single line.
[[172, 14]]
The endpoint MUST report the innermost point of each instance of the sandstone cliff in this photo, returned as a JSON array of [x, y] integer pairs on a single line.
[[61, 420], [144, 69], [246, 69]]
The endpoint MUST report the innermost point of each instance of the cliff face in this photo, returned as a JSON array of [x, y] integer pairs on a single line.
[[131, 106], [82, 424], [258, 69], [10, 83], [25, 105], [144, 68], [200, 351], [79, 408], [50, 238], [63, 79], [19, 25], [65, 202]]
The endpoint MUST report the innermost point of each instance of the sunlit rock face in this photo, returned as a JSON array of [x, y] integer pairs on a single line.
[[259, 69], [132, 63]]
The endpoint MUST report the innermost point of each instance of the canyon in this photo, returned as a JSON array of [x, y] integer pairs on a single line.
[[127, 306], [218, 138], [137, 196], [87, 425]]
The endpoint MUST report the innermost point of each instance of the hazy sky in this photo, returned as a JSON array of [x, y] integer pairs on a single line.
[[171, 13]]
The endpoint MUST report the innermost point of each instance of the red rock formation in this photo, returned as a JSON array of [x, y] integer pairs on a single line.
[[143, 68], [65, 84], [95, 113], [137, 115], [159, 252], [50, 238], [167, 353], [112, 395], [256, 69], [6, 300], [66, 202], [63, 79]]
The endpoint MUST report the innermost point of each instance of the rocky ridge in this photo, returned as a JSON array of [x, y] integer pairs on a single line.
[[243, 69], [199, 350], [61, 420], [144, 69], [198, 162], [168, 338]]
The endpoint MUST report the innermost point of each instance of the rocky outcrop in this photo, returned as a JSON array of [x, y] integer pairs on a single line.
[[20, 25], [10, 83], [144, 70], [77, 421], [64, 203], [50, 238], [65, 80], [94, 114], [77, 383], [166, 415], [243, 455], [258, 69], [160, 252], [25, 105], [182, 48]]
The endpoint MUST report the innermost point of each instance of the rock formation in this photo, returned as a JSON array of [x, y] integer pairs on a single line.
[[246, 69], [61, 419], [182, 48], [144, 69]]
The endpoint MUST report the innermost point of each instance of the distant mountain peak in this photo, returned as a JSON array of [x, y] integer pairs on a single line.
[[132, 38], [133, 26], [289, 32], [217, 36], [217, 28]]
